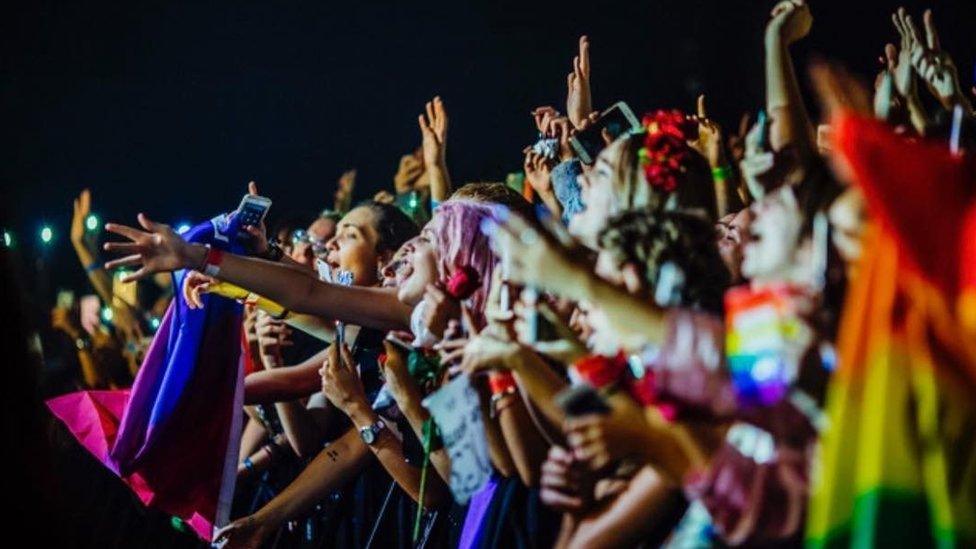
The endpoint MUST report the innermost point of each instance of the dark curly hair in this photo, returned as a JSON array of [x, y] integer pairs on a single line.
[[649, 238]]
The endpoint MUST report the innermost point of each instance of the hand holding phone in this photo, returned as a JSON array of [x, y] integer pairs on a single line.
[[252, 211], [615, 121]]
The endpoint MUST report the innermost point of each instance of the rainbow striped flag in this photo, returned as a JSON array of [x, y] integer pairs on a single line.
[[898, 456]]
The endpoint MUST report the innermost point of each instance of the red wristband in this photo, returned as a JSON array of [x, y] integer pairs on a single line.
[[501, 383], [211, 263]]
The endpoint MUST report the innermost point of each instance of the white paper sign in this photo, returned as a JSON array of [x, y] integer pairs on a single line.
[[456, 410]]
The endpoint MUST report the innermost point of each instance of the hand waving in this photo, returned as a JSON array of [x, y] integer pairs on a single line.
[[433, 128]]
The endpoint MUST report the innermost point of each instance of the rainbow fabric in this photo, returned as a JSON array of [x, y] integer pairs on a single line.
[[764, 338], [898, 456], [169, 437]]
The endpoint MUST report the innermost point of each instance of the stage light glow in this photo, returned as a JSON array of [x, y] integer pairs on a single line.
[[183, 227], [8, 239], [47, 234], [91, 222], [154, 323], [107, 314]]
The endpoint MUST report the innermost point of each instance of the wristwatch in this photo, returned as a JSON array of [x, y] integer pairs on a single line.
[[370, 433]]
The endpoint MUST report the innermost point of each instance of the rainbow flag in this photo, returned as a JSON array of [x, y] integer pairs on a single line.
[[169, 437], [898, 456]]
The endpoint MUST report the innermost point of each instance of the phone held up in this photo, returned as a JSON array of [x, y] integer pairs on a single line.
[[252, 210], [617, 120]]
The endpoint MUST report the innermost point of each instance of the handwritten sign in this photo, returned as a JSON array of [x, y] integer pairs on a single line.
[[456, 409]]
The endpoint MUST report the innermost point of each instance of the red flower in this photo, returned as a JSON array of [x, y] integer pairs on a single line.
[[464, 282], [666, 153]]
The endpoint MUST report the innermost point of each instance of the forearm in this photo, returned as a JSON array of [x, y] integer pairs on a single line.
[[525, 444], [541, 383], [409, 400], [551, 203], [296, 291], [789, 122], [497, 449], [389, 450], [335, 465], [634, 319], [262, 458], [440, 182], [285, 383], [252, 437], [314, 326], [300, 429], [631, 517]]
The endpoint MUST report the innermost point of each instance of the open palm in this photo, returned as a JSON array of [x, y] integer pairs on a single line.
[[157, 249]]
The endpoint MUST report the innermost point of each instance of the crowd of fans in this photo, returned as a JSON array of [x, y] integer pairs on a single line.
[[658, 337]]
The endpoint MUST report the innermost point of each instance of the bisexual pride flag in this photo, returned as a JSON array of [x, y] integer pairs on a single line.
[[169, 437]]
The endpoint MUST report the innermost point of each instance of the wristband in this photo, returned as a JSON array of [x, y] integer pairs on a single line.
[[274, 252], [212, 261], [722, 173], [248, 464], [501, 383]]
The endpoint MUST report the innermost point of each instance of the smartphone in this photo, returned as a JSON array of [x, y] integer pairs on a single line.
[[252, 210], [581, 400], [617, 120], [763, 122]]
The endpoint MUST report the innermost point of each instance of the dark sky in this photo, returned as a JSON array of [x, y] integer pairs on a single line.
[[171, 108]]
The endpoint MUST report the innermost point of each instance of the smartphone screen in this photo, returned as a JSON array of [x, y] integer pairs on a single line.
[[617, 120], [252, 210]]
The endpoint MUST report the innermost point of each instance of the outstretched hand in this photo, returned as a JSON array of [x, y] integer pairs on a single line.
[[156, 249]]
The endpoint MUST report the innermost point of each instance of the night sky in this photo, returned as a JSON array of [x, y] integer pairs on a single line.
[[171, 108]]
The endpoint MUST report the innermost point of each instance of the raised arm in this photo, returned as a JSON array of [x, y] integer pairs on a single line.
[[342, 386], [790, 124], [158, 248], [433, 128]]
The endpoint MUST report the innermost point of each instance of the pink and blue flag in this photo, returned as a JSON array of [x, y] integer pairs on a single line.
[[169, 436]]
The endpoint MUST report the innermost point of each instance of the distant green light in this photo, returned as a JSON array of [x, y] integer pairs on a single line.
[[107, 314], [91, 222], [8, 239], [47, 234], [154, 323]]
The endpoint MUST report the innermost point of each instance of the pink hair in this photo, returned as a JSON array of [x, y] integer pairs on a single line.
[[456, 227]]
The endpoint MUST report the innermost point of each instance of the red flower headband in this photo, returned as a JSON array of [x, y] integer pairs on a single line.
[[666, 153]]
